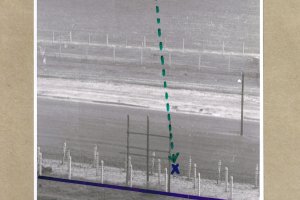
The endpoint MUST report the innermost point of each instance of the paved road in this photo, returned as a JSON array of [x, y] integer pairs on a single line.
[[206, 139]]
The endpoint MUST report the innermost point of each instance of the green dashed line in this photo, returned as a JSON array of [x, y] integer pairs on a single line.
[[172, 157]]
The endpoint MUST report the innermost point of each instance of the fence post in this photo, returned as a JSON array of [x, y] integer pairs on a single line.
[[159, 171], [229, 63], [53, 37], [148, 146], [130, 167], [153, 163], [145, 45], [190, 167], [183, 45], [223, 48], [127, 152], [219, 171], [256, 176], [141, 56], [40, 164], [226, 179], [166, 179], [231, 188], [199, 62], [95, 155], [106, 39], [102, 171], [70, 168], [70, 36], [170, 59], [243, 48], [89, 38], [195, 175], [199, 184], [97, 165], [64, 152], [114, 54]]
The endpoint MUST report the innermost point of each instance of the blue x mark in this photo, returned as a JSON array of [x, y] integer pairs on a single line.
[[175, 168]]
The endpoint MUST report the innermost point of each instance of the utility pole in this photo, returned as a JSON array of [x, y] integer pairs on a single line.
[[147, 151], [127, 157], [242, 106]]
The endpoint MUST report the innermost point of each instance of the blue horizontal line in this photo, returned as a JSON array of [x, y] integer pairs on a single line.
[[132, 189]]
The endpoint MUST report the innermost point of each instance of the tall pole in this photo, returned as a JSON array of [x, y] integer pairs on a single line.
[[147, 151], [242, 106], [127, 158], [169, 177]]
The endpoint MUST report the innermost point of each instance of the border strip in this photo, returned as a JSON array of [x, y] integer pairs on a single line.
[[132, 189]]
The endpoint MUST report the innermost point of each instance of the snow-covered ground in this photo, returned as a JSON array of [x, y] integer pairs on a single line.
[[191, 101], [179, 184]]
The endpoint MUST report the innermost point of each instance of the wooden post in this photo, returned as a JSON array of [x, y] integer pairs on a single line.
[[70, 36], [97, 165], [147, 152], [70, 168], [231, 188], [229, 63], [68, 154], [256, 176], [53, 37], [166, 179], [106, 39], [145, 45], [131, 175], [243, 48], [219, 172], [64, 152], [95, 155], [89, 38], [153, 163], [127, 166], [126, 43], [190, 167], [199, 62], [40, 164], [223, 48], [141, 56], [114, 54], [159, 171], [226, 179], [195, 175], [242, 106], [199, 184], [102, 171], [183, 45], [170, 59]]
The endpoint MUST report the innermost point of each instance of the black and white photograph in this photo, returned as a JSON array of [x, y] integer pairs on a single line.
[[149, 99]]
